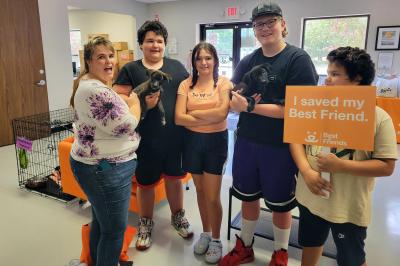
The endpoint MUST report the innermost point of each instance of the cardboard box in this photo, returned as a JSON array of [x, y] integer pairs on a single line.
[[116, 71], [124, 57], [92, 35], [81, 60], [119, 46]]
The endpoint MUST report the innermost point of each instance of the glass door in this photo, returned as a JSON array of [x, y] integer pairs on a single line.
[[222, 39], [233, 41]]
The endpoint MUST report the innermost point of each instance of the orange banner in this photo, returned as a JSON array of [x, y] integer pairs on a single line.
[[332, 116]]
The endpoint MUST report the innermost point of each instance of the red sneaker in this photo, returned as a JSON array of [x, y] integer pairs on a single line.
[[279, 258], [239, 254]]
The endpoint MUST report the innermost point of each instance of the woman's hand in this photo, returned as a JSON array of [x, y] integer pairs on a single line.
[[329, 163], [132, 100], [315, 183], [152, 100]]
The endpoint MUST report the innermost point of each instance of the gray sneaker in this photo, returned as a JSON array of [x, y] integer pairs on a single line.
[[143, 238], [214, 252], [76, 262], [201, 245], [181, 224]]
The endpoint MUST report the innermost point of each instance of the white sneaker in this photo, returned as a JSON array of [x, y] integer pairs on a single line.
[[214, 252], [201, 245], [76, 262]]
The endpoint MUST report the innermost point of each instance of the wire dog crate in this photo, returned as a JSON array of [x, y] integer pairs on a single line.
[[36, 147]]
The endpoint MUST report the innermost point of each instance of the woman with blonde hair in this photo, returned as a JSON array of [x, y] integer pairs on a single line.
[[103, 157]]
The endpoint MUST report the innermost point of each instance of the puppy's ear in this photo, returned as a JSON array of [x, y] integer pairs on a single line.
[[149, 73], [166, 76], [246, 78]]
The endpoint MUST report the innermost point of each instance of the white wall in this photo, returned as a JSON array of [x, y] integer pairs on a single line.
[[89, 21], [55, 37], [181, 18]]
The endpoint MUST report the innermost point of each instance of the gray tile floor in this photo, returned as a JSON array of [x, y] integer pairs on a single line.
[[38, 231]]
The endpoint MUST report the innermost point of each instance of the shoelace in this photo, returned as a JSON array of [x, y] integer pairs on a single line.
[[144, 229], [184, 223], [181, 221]]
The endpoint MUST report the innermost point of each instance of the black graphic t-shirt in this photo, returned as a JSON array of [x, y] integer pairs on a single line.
[[292, 66]]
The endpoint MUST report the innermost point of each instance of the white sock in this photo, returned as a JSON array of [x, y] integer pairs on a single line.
[[208, 233], [247, 231], [215, 239], [281, 237]]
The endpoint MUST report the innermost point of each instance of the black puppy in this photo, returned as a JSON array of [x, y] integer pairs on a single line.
[[255, 81], [152, 85]]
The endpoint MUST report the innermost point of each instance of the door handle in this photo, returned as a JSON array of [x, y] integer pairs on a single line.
[[41, 82]]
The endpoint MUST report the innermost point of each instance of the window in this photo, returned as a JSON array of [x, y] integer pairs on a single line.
[[75, 40], [321, 35]]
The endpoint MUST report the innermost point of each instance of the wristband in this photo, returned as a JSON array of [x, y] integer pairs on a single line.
[[251, 105]]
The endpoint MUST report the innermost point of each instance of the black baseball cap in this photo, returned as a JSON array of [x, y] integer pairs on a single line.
[[266, 8]]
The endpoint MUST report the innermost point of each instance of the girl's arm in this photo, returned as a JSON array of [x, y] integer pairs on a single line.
[[219, 113], [181, 116]]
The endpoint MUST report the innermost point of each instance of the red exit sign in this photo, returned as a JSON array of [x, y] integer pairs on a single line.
[[232, 12]]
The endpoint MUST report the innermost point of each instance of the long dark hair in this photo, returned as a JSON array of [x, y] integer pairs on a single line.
[[208, 47], [88, 52]]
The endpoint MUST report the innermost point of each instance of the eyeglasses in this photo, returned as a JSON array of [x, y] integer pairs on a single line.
[[269, 24]]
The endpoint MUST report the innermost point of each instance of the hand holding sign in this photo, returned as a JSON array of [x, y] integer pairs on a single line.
[[325, 174], [316, 183], [328, 162]]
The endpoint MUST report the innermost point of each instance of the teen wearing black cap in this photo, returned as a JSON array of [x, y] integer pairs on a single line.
[[262, 164]]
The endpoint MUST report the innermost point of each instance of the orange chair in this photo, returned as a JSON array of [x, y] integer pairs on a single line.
[[70, 186]]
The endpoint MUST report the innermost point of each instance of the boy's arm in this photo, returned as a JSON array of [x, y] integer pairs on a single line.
[[239, 104], [368, 168], [123, 90], [312, 178]]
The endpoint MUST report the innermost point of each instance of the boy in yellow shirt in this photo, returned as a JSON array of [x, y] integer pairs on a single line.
[[347, 211]]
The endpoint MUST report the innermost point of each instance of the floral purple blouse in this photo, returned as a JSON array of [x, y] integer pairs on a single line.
[[104, 128]]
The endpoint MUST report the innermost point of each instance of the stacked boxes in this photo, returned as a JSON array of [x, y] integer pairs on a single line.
[[119, 46], [124, 57]]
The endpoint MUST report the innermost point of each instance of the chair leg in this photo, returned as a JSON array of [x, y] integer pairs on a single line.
[[230, 213]]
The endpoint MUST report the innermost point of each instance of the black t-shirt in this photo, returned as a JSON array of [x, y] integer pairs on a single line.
[[292, 66], [154, 135]]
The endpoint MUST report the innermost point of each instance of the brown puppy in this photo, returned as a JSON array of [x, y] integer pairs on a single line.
[[152, 85]]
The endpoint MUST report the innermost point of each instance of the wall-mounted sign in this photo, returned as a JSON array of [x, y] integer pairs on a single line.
[[232, 12]]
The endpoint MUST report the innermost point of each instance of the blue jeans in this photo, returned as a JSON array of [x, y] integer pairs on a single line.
[[108, 188]]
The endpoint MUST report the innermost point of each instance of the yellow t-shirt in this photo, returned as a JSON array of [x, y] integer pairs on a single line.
[[203, 98], [350, 201]]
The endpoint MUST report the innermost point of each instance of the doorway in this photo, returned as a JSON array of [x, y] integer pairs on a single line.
[[23, 89], [233, 41]]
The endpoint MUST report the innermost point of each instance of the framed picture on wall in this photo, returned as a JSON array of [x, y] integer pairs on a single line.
[[387, 38]]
